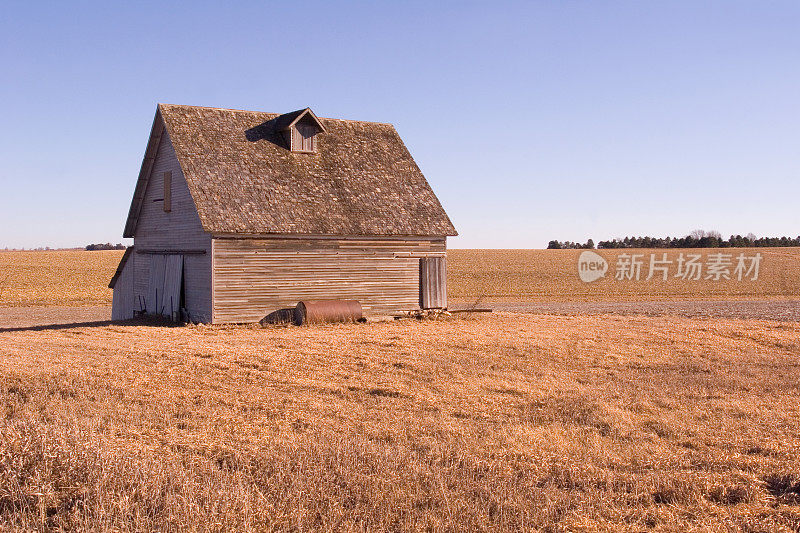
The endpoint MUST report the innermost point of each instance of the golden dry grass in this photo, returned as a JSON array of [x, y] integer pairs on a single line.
[[503, 422], [74, 278], [551, 275], [60, 277]]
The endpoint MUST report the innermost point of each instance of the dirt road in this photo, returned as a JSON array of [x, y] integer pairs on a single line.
[[26, 317], [782, 310]]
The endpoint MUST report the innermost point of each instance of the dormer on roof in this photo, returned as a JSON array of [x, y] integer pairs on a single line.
[[300, 129]]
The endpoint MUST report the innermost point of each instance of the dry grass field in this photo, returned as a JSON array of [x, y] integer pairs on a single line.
[[60, 277], [479, 422], [498, 422], [551, 276], [78, 278]]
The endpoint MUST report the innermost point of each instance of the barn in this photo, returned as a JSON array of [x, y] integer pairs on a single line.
[[237, 214]]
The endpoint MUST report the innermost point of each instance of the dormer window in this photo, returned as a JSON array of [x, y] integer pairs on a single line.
[[300, 130], [303, 138]]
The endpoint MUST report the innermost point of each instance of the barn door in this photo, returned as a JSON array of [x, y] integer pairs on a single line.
[[155, 291], [166, 280], [173, 279], [433, 282]]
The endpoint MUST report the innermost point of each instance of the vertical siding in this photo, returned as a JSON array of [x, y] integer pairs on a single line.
[[253, 277], [433, 282], [303, 137], [122, 304], [178, 229]]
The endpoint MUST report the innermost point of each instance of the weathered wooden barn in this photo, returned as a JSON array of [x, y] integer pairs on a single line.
[[237, 214]]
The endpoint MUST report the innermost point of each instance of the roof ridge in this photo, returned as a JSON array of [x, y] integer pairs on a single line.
[[276, 114]]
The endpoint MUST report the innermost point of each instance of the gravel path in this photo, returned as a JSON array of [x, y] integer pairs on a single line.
[[26, 317], [783, 310]]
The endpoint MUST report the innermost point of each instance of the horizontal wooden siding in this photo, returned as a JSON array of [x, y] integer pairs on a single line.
[[253, 277]]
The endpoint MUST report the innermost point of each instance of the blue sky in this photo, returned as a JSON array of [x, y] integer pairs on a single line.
[[532, 120]]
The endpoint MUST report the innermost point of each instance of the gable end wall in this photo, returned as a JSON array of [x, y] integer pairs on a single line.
[[178, 230]]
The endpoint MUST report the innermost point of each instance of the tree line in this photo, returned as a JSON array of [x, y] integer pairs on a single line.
[[106, 246], [697, 239]]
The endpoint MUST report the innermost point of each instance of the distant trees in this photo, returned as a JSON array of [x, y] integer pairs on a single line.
[[567, 245], [696, 239], [106, 246], [706, 241]]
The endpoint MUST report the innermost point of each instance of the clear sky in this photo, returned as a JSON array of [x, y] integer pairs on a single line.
[[532, 120]]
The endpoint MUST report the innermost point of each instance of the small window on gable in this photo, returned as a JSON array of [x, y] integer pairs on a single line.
[[300, 129]]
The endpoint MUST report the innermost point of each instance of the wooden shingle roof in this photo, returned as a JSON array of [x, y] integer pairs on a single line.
[[244, 180]]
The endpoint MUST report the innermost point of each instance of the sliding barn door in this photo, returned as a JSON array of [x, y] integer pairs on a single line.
[[155, 290], [166, 281], [433, 282], [173, 279]]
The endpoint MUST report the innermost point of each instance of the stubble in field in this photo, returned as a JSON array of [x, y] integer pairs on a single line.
[[552, 276], [60, 277], [79, 278], [500, 422]]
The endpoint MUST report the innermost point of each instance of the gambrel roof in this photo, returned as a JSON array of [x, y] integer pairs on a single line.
[[244, 180]]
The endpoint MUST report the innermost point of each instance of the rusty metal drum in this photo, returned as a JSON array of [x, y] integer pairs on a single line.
[[327, 311]]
